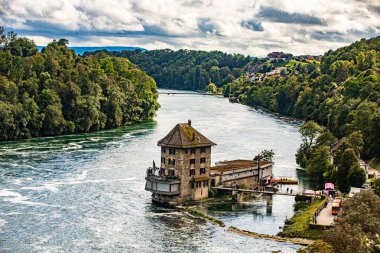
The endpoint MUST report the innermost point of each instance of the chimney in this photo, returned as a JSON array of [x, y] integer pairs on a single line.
[[189, 122]]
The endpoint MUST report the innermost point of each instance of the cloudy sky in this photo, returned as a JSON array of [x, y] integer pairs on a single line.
[[253, 27]]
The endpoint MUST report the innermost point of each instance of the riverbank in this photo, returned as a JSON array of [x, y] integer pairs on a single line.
[[85, 192], [194, 212], [299, 224]]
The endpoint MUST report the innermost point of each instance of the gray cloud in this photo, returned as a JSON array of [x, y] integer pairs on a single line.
[[374, 9], [206, 25], [252, 25], [328, 36], [299, 27], [275, 15]]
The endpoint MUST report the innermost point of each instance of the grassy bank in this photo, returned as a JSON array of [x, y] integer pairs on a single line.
[[298, 226]]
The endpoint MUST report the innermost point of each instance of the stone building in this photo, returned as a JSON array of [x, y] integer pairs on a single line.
[[184, 172], [243, 173]]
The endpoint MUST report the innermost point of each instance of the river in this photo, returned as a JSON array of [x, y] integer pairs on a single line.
[[85, 193]]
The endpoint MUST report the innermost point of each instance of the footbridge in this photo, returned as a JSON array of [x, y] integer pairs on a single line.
[[266, 192]]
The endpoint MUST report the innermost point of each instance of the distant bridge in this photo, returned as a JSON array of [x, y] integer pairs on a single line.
[[186, 93]]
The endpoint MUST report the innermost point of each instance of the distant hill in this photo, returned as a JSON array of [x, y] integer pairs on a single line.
[[82, 50], [340, 92], [187, 69]]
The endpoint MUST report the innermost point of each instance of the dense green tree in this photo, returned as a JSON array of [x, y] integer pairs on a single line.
[[58, 92], [346, 238], [211, 88], [319, 164], [347, 160], [309, 131], [317, 247], [326, 138], [342, 94], [227, 90], [356, 175], [359, 225], [376, 186], [188, 69], [355, 141]]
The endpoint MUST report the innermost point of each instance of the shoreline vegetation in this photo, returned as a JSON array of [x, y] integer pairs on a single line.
[[57, 92], [299, 225], [356, 231], [339, 90]]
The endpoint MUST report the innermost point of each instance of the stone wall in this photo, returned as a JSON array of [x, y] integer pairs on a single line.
[[182, 169]]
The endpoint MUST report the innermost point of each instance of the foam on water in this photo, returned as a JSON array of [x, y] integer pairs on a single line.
[[72, 146], [85, 193], [17, 198]]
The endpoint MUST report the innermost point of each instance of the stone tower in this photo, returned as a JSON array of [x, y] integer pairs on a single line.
[[184, 173]]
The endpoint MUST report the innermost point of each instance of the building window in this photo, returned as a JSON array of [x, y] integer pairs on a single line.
[[199, 184], [171, 161], [186, 151], [192, 161], [192, 151], [203, 159], [163, 149], [205, 183], [171, 173], [192, 185], [202, 171], [192, 172], [171, 151], [163, 160], [203, 150]]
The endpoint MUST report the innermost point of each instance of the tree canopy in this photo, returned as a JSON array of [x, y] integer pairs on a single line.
[[58, 92], [187, 69], [342, 93]]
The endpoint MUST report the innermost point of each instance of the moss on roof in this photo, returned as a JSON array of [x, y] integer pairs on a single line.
[[183, 135]]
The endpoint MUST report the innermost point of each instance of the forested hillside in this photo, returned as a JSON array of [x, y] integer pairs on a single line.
[[341, 93], [58, 92], [187, 69]]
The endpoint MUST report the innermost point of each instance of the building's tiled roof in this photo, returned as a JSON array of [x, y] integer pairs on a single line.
[[183, 135], [238, 164]]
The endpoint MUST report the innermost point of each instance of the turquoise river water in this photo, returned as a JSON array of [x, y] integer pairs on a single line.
[[85, 193]]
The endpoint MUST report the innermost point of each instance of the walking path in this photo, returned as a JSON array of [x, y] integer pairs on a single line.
[[325, 217]]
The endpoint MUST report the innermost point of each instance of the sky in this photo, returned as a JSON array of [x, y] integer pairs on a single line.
[[250, 27]]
